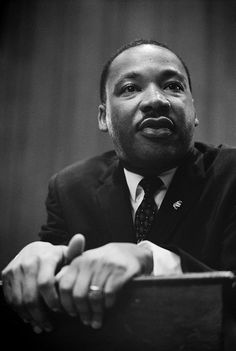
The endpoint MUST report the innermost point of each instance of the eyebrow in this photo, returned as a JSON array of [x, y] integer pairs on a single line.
[[129, 75], [172, 73], [167, 73]]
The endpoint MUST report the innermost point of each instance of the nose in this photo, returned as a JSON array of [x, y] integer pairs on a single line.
[[154, 100]]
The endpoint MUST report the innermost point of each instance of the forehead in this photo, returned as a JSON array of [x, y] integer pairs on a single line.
[[143, 58]]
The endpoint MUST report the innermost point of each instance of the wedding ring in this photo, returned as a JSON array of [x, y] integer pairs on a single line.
[[94, 288], [95, 293]]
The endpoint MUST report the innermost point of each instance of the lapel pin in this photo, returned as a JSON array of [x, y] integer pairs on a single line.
[[177, 204]]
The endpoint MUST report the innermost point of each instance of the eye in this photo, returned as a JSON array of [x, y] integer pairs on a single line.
[[129, 88], [174, 86]]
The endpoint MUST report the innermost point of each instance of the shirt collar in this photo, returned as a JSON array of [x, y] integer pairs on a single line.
[[133, 180]]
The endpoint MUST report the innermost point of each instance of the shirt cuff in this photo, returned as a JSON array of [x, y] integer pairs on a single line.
[[165, 262]]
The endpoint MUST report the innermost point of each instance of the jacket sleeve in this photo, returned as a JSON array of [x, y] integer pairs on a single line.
[[190, 264], [55, 230], [228, 253]]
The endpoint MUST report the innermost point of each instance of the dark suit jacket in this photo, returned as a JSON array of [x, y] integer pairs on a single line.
[[91, 197]]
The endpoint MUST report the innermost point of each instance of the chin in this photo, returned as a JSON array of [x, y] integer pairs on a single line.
[[155, 162]]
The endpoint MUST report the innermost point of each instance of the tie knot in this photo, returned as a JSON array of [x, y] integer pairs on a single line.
[[150, 184]]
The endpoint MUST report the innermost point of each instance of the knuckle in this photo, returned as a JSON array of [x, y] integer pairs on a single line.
[[9, 273], [29, 265], [121, 269], [109, 265], [64, 286], [28, 299], [44, 283], [109, 292], [90, 259], [29, 302], [64, 289], [5, 273], [14, 301], [78, 296], [91, 262], [80, 302]]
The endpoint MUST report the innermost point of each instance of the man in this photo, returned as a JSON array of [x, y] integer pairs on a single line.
[[148, 110]]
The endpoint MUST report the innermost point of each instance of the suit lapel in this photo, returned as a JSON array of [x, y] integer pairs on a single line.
[[115, 209], [114, 203], [180, 198]]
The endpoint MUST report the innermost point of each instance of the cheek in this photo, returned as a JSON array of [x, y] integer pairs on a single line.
[[189, 108], [120, 116], [186, 112], [115, 123]]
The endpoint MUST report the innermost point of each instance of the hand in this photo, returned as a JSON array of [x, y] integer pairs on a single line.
[[29, 281], [108, 267]]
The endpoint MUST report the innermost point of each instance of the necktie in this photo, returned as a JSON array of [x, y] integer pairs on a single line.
[[146, 211]]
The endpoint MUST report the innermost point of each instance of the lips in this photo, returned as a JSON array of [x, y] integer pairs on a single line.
[[156, 126]]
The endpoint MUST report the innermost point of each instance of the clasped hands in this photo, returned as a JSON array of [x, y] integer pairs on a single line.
[[85, 285]]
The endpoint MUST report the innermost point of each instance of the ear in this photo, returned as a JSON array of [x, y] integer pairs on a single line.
[[102, 121], [196, 121]]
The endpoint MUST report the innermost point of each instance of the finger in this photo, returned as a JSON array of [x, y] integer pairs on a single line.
[[12, 291], [75, 247], [97, 296], [65, 286], [34, 304], [46, 282], [96, 301], [18, 301], [114, 283], [40, 317], [12, 288], [109, 299], [80, 295]]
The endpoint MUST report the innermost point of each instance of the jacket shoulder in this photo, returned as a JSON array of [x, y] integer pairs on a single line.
[[89, 170], [222, 156]]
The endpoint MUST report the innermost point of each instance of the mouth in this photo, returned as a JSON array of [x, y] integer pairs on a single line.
[[157, 127]]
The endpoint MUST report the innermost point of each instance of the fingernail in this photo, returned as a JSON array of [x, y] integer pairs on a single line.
[[37, 330], [96, 324]]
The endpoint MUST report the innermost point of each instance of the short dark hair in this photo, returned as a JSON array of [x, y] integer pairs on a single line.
[[134, 43]]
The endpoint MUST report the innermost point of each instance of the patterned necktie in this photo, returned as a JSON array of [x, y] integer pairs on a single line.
[[146, 211]]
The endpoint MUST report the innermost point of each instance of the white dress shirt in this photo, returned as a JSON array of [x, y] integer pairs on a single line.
[[164, 261]]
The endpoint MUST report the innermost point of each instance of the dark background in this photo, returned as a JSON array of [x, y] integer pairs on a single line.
[[51, 56]]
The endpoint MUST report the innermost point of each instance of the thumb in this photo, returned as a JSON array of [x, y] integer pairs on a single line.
[[75, 247]]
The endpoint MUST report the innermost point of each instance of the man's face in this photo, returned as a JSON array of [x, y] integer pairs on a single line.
[[149, 111]]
